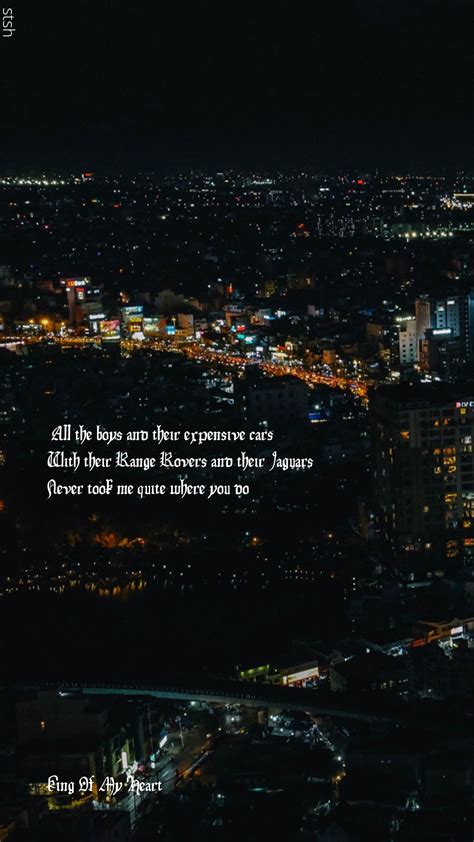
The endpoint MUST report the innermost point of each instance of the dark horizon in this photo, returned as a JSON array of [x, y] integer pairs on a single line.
[[359, 85]]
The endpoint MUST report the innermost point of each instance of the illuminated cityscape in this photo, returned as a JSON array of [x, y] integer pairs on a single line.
[[341, 353], [236, 423]]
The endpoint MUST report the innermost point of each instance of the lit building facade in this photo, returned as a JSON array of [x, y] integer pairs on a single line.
[[76, 297], [451, 317], [423, 471], [408, 342]]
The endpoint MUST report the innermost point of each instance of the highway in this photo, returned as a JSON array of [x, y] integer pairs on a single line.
[[202, 353], [227, 691], [312, 378]]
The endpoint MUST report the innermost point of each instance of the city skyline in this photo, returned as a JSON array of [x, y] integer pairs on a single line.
[[236, 422]]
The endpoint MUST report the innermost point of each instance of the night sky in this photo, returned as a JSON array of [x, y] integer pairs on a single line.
[[365, 84]]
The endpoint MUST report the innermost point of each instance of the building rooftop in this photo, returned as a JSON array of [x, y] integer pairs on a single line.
[[429, 393]]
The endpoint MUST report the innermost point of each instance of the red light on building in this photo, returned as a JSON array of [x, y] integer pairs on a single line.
[[360, 181]]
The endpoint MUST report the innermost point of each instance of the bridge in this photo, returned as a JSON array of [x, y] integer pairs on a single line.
[[228, 691]]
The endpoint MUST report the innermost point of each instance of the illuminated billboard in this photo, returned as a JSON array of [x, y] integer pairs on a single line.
[[94, 321], [70, 283], [110, 330], [132, 320], [134, 325], [153, 326], [135, 310]]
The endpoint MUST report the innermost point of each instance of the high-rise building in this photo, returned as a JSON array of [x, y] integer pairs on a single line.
[[408, 342], [424, 315], [451, 318], [456, 313], [440, 353], [423, 470], [76, 297]]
